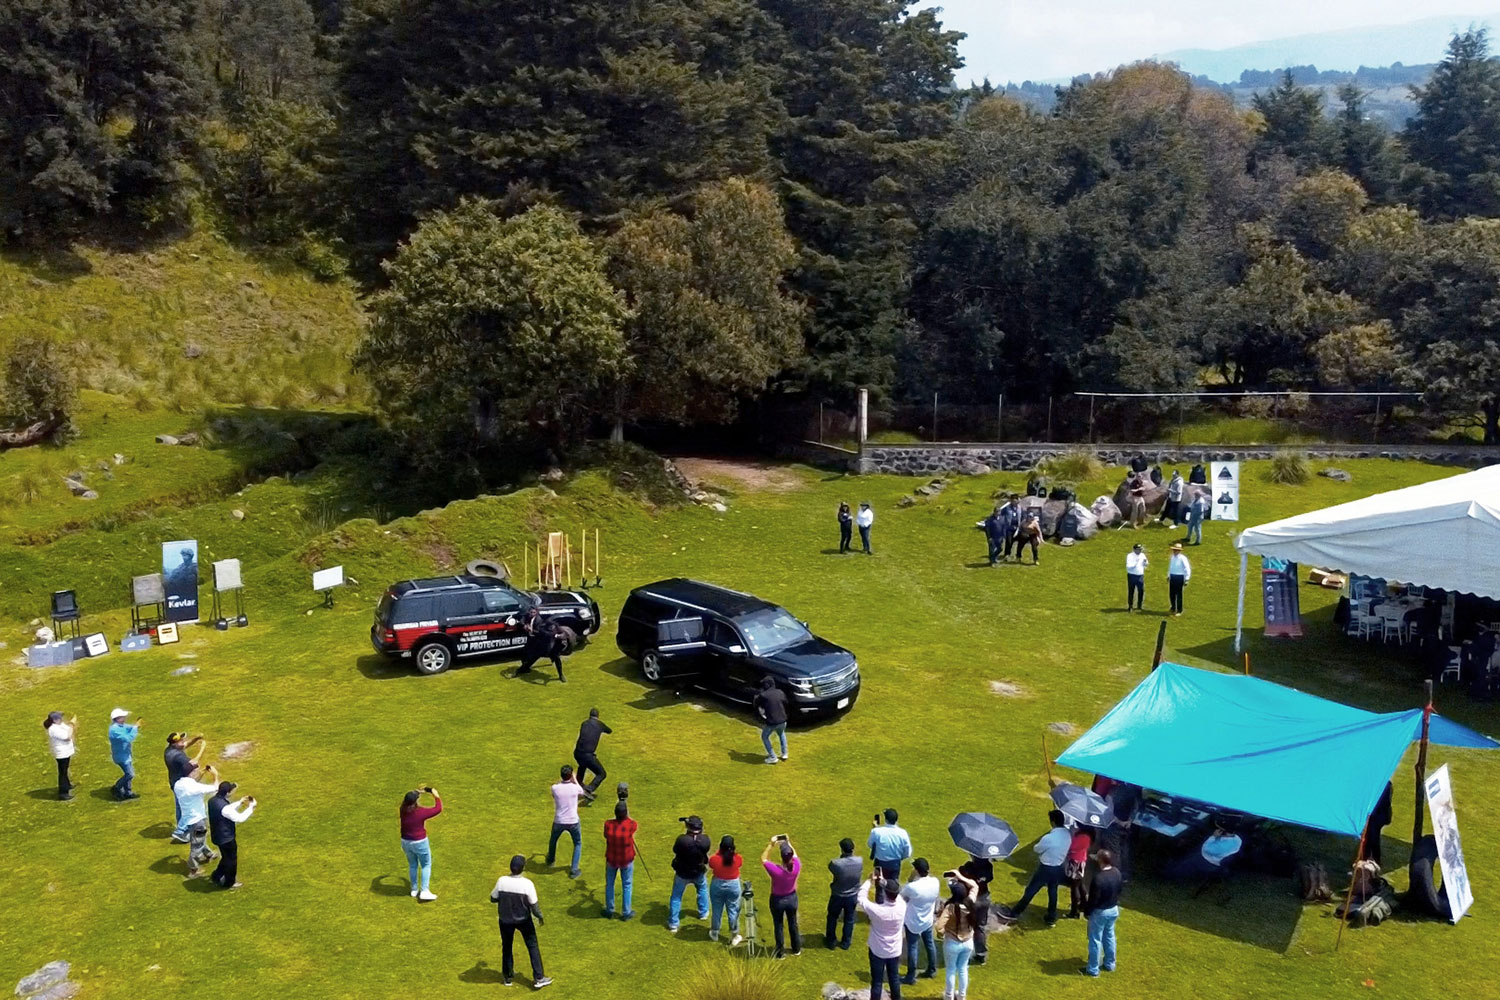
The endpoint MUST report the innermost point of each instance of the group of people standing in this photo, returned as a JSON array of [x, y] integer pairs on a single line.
[[203, 812], [1009, 526], [865, 519], [1179, 572]]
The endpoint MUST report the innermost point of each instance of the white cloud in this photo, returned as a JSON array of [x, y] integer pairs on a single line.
[[1039, 40]]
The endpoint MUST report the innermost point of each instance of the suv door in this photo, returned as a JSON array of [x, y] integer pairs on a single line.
[[465, 622], [505, 614], [735, 671], [680, 650]]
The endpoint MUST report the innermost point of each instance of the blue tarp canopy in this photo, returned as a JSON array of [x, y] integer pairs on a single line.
[[1246, 744]]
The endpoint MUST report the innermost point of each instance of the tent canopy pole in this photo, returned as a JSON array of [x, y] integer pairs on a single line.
[[1239, 618]]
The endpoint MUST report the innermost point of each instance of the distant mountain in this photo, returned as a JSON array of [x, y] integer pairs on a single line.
[[1415, 42]]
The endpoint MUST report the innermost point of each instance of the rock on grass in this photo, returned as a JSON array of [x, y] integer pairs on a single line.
[[238, 751], [48, 975], [1007, 689]]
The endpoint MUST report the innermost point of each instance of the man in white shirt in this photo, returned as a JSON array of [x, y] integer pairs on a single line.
[[190, 792], [921, 894], [864, 519], [1179, 572], [1135, 579], [60, 739], [515, 895], [887, 914], [1052, 851], [565, 796]]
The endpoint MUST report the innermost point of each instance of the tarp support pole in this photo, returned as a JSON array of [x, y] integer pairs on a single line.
[[1239, 616], [1161, 640], [1421, 769], [1047, 760], [1349, 896]]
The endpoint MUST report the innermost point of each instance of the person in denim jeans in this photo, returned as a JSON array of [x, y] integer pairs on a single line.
[[619, 859], [689, 867], [565, 796], [122, 735], [771, 706], [957, 920], [1103, 909], [724, 889], [414, 845]]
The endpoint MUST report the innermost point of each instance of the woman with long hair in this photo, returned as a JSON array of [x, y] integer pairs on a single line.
[[61, 736], [846, 527], [955, 923], [783, 871], [414, 817], [724, 888]]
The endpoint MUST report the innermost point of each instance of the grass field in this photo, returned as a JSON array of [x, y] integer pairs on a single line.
[[339, 735]]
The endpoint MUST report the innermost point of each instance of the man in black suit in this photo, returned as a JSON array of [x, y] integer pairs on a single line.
[[586, 750]]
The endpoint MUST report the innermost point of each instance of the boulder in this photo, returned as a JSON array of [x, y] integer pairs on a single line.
[[1106, 513], [1078, 523], [1052, 513], [119, 459], [907, 501], [88, 495], [166, 439], [188, 440], [62, 991], [48, 975], [970, 467], [75, 486], [237, 514], [1155, 496], [927, 491], [191, 351], [1337, 475]]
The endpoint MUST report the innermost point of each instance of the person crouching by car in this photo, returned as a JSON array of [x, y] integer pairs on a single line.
[[543, 639]]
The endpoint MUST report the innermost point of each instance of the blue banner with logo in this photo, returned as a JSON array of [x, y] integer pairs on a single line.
[[179, 571], [1278, 588]]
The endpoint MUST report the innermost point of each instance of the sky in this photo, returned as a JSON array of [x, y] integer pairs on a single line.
[[1019, 40]]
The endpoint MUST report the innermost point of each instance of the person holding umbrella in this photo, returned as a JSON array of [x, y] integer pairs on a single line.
[[984, 838], [1085, 811]]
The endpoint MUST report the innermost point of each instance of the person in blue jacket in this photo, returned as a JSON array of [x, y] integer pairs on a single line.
[[122, 736]]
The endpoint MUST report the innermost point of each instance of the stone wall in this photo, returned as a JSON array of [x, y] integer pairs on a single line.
[[974, 459]]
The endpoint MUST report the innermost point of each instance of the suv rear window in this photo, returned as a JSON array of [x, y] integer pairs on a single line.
[[411, 610], [502, 601]]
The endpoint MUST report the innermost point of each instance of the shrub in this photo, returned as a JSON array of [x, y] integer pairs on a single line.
[[1077, 466], [39, 386], [318, 258], [734, 978], [1289, 468]]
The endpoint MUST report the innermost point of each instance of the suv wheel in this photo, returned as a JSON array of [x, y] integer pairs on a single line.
[[433, 658], [651, 665]]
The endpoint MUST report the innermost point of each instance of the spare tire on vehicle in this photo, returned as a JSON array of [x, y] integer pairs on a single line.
[[1423, 895]]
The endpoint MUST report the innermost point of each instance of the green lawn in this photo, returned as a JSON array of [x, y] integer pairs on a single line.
[[340, 734]]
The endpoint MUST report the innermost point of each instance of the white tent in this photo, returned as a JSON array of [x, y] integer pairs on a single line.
[[1443, 534]]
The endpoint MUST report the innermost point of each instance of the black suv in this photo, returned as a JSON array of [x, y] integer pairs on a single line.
[[434, 621], [726, 642]]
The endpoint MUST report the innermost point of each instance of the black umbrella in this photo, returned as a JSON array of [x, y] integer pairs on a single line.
[[1083, 806], [983, 835]]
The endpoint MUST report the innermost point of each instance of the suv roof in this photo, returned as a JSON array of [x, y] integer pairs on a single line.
[[444, 584], [696, 593]]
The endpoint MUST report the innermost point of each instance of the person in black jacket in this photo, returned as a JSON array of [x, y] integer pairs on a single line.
[[846, 527], [689, 867], [1103, 910], [994, 533], [1380, 818], [515, 896], [542, 640], [585, 751], [223, 819], [771, 706]]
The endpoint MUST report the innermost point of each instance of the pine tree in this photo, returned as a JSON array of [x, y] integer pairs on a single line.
[[1454, 138]]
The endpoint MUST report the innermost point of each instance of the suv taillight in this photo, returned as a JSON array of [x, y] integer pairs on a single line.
[[387, 635]]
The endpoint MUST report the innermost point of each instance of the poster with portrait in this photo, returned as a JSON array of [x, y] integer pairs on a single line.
[[1450, 851], [1224, 484], [179, 570]]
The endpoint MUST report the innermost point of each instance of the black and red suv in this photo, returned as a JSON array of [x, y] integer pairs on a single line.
[[433, 622]]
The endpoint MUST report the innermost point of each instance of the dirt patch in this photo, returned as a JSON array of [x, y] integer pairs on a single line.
[[1007, 689], [764, 477]]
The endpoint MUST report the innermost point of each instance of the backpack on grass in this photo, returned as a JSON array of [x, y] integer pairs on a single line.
[[1312, 883]]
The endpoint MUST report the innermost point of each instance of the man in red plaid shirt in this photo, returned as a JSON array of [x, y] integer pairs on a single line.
[[619, 859]]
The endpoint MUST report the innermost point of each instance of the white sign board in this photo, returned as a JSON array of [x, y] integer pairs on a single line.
[[1450, 851], [96, 644], [227, 574], [327, 579], [1224, 481]]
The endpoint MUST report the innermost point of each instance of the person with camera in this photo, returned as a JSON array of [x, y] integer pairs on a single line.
[[689, 868], [958, 921], [843, 894], [565, 795], [783, 870], [515, 897], [223, 819], [921, 893], [880, 899], [889, 846], [414, 845], [979, 872], [190, 792], [178, 765]]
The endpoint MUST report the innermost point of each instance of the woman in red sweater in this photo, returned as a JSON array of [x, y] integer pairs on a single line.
[[414, 817], [1076, 867]]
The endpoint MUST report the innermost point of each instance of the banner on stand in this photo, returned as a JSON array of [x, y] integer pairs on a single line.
[[1224, 481]]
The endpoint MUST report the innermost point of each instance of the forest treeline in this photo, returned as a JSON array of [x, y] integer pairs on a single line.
[[569, 214]]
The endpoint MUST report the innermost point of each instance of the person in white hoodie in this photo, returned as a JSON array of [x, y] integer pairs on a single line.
[[864, 519], [1179, 572], [61, 739], [190, 792]]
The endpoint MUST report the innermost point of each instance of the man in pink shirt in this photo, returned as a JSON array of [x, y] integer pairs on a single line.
[[565, 796], [887, 913]]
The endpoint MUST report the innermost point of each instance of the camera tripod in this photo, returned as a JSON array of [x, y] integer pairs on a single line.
[[750, 926]]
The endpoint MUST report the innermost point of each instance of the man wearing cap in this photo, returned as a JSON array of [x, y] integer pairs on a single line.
[[178, 766], [515, 896], [122, 735], [689, 867], [190, 792], [1179, 572], [864, 519], [1135, 578], [223, 818]]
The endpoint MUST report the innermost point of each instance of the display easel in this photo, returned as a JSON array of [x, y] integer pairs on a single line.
[[148, 603], [227, 581]]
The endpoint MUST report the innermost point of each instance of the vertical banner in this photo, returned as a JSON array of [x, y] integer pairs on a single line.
[[1450, 851], [179, 570], [1224, 482], [1278, 589]]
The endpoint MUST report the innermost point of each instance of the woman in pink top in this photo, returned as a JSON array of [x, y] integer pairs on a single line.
[[1075, 867], [783, 872], [414, 817]]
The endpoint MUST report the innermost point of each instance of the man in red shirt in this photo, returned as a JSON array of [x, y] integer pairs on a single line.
[[619, 859]]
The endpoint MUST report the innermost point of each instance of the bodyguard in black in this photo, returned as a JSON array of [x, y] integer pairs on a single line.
[[585, 751], [541, 641]]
